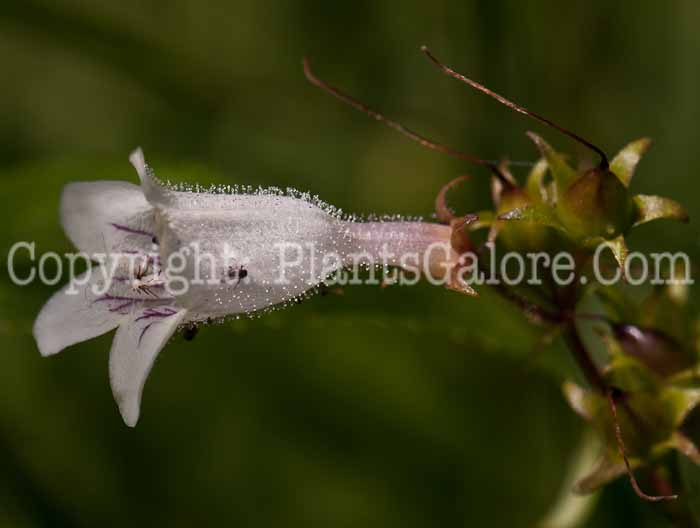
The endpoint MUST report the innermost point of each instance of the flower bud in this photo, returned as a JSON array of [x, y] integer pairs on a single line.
[[655, 349]]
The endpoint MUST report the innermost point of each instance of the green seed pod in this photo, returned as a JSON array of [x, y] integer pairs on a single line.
[[596, 204]]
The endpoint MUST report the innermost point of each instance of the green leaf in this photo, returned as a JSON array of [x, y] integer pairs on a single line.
[[562, 173], [654, 207], [624, 163]]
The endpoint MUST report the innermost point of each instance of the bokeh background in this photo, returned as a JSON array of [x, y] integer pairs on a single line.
[[404, 407]]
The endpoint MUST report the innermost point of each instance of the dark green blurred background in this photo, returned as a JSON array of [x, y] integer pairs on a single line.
[[382, 407]]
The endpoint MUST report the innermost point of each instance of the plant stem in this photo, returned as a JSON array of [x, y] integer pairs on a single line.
[[583, 358]]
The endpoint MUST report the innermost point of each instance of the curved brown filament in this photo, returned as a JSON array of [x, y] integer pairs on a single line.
[[514, 106], [623, 453], [415, 136], [442, 211]]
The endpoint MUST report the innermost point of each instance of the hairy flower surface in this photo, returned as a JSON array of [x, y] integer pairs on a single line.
[[170, 258]]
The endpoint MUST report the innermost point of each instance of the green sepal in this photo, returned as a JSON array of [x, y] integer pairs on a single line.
[[617, 245], [685, 446], [579, 399], [680, 402], [539, 213], [485, 220], [606, 470], [562, 173], [630, 375], [650, 208], [689, 379], [536, 188], [625, 162], [612, 346], [619, 249]]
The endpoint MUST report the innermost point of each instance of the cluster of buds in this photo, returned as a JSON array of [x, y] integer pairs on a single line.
[[652, 378], [643, 400], [593, 206]]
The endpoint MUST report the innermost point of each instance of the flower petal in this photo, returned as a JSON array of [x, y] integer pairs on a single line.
[[158, 194], [75, 314], [134, 350], [150, 186], [91, 210]]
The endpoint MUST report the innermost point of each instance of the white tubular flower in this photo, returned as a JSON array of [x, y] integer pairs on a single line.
[[171, 258]]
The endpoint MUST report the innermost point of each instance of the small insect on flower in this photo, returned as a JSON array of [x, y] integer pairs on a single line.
[[168, 263], [190, 331], [235, 274]]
